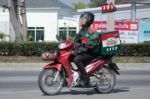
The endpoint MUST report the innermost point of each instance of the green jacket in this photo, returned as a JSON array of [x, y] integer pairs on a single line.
[[92, 45]]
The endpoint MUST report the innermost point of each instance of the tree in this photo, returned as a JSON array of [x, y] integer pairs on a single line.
[[24, 19], [79, 5], [117, 2], [15, 22], [97, 3], [20, 29]]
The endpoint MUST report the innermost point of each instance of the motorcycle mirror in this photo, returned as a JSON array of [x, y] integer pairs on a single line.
[[57, 37], [60, 38]]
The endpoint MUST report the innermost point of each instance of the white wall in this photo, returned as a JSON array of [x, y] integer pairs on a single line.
[[143, 13], [119, 15], [67, 23], [140, 13], [4, 23], [46, 19], [122, 15]]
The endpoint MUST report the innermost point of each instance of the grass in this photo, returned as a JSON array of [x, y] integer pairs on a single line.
[[34, 59], [129, 59], [20, 59]]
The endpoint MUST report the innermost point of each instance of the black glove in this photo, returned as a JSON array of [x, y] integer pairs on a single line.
[[77, 44]]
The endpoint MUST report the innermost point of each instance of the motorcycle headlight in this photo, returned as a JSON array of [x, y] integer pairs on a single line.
[[62, 46]]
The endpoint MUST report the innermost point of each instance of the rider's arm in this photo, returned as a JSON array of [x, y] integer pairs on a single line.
[[77, 41], [78, 38], [93, 40]]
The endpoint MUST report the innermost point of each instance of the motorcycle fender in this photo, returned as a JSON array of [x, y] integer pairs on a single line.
[[114, 67], [57, 66]]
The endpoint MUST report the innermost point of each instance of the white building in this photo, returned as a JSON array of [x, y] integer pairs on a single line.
[[44, 18], [123, 14]]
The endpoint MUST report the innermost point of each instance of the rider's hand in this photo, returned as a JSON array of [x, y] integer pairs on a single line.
[[77, 44]]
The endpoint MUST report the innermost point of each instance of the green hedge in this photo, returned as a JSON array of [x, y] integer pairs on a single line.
[[142, 49], [26, 49], [35, 49]]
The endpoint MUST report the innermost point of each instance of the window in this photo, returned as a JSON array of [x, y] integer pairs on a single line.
[[35, 34], [63, 31], [72, 31]]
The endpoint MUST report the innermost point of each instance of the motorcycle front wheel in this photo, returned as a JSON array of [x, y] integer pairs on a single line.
[[106, 80], [50, 81]]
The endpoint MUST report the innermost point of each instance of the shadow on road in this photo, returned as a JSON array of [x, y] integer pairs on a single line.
[[121, 89], [91, 91]]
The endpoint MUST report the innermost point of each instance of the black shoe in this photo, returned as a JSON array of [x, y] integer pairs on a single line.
[[81, 83], [87, 81]]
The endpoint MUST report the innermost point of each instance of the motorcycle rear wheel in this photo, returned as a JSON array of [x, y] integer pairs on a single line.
[[107, 80]]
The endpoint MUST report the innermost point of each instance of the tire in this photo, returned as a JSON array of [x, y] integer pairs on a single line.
[[46, 82], [112, 81]]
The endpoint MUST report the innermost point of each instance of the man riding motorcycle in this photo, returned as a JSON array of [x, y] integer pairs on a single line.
[[61, 73], [87, 45]]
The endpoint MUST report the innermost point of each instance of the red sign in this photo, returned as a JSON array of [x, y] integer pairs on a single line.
[[99, 25], [108, 8], [110, 35], [131, 26]]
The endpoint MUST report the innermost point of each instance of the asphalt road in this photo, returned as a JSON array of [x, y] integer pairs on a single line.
[[23, 85]]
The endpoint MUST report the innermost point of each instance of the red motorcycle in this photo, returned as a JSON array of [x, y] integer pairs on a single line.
[[64, 73]]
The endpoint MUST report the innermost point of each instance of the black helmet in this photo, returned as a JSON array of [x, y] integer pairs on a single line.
[[89, 16]]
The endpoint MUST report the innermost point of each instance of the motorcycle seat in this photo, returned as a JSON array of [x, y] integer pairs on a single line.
[[95, 59]]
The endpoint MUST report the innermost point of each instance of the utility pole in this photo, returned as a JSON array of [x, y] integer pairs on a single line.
[[110, 18], [14, 20], [24, 19], [133, 10]]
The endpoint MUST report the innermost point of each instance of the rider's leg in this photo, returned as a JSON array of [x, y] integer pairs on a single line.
[[79, 61], [86, 59]]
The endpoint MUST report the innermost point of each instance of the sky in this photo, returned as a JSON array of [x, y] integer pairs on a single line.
[[69, 2]]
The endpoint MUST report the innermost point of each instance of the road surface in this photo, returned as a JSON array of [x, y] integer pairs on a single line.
[[131, 84]]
